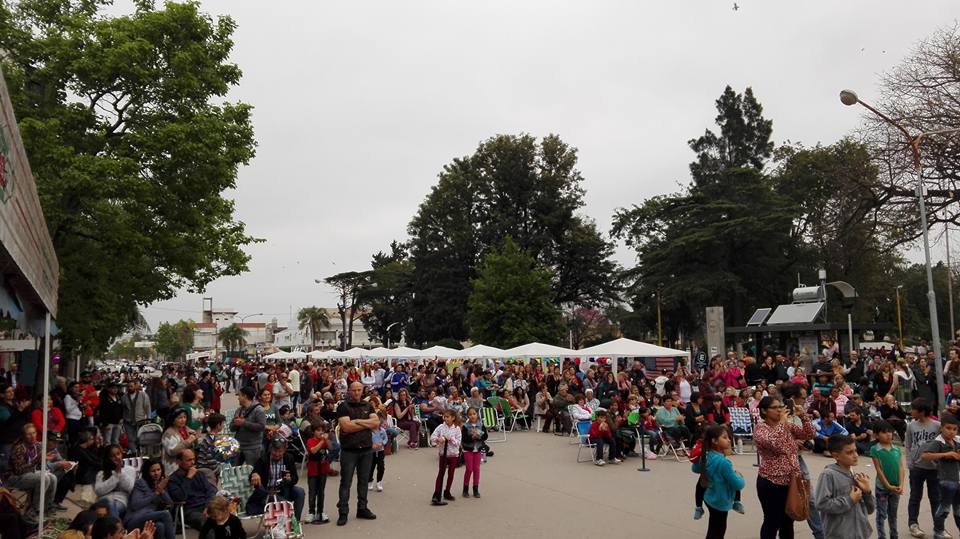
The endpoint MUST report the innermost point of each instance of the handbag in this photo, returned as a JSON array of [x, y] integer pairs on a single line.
[[798, 497], [460, 459]]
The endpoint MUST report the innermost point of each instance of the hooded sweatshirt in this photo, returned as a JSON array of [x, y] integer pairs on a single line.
[[842, 519], [722, 481]]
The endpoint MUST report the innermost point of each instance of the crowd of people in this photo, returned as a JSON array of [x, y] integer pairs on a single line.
[[799, 404]]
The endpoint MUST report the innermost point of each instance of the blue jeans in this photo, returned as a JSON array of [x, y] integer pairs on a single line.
[[919, 476], [887, 504], [611, 443], [814, 522], [163, 520], [294, 494], [333, 454], [115, 508], [949, 499]]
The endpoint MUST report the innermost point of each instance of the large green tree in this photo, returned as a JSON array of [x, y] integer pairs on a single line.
[[388, 295], [350, 286], [512, 301], [511, 185], [175, 340], [132, 143], [724, 240]]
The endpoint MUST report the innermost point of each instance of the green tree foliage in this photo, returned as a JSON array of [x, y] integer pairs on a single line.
[[512, 301], [837, 198], [314, 319], [132, 144], [350, 285], [233, 337], [388, 295], [174, 341], [124, 348], [511, 185], [726, 239]]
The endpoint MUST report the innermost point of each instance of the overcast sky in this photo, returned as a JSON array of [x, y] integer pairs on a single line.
[[358, 105]]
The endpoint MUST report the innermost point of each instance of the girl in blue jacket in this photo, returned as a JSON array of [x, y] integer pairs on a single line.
[[722, 481]]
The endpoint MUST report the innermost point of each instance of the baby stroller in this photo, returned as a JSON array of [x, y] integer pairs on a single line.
[[149, 442], [295, 443]]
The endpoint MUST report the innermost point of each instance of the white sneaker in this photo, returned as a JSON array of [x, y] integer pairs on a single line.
[[379, 486], [916, 531], [599, 462], [323, 516], [946, 535], [309, 517], [369, 486], [616, 461]]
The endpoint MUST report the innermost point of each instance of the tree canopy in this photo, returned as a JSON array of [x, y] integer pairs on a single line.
[[512, 301], [175, 341], [511, 185], [132, 143]]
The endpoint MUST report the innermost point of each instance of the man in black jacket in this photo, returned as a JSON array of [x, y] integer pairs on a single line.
[[277, 472]]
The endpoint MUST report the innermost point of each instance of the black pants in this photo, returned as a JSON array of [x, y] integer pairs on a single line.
[[773, 501], [717, 525], [378, 464], [353, 463], [919, 477]]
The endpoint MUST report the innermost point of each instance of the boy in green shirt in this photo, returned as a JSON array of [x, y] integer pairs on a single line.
[[889, 463]]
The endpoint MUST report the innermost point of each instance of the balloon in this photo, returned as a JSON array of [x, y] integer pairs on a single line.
[[226, 449]]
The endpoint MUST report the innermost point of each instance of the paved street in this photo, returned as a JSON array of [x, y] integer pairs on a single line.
[[533, 487]]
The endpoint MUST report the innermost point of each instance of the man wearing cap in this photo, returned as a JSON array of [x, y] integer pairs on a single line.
[[357, 422], [277, 472]]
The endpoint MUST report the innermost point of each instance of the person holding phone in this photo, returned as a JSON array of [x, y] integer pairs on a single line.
[[276, 472]]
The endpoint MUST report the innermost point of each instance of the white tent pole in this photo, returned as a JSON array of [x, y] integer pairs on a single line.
[[46, 414]]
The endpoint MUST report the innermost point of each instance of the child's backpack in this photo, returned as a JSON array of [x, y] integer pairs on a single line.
[[696, 451]]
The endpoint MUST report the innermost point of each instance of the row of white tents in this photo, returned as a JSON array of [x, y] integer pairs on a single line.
[[620, 348]]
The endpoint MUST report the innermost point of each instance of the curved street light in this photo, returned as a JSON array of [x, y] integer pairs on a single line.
[[850, 98]]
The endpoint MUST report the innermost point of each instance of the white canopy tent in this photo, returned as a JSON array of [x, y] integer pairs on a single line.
[[376, 353], [481, 351], [353, 353], [317, 354], [277, 355], [299, 354], [440, 352], [538, 350], [629, 348]]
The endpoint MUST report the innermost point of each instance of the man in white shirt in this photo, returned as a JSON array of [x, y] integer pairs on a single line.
[[294, 377]]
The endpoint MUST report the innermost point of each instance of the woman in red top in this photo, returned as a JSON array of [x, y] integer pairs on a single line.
[[55, 420], [776, 437]]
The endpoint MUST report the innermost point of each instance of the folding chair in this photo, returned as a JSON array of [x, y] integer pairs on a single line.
[[583, 441], [275, 512], [236, 481], [670, 445], [514, 415], [742, 424], [134, 462], [493, 422]]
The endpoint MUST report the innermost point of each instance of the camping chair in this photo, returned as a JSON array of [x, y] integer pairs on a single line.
[[573, 422], [276, 511], [514, 415], [583, 441], [135, 462], [670, 445], [425, 433], [742, 424], [493, 422], [236, 481]]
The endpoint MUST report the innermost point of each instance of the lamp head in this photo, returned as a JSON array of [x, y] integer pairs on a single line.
[[849, 97]]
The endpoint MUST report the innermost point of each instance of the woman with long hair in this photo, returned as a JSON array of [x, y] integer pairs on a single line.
[[115, 481], [176, 437], [776, 438], [150, 501], [406, 417]]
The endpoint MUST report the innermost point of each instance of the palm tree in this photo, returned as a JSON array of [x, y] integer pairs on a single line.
[[316, 319], [232, 337]]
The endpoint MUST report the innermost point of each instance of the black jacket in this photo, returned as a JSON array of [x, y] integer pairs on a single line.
[[468, 443], [262, 468]]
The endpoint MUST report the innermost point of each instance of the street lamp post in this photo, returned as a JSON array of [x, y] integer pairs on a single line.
[[899, 320], [849, 98], [388, 332], [244, 317]]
